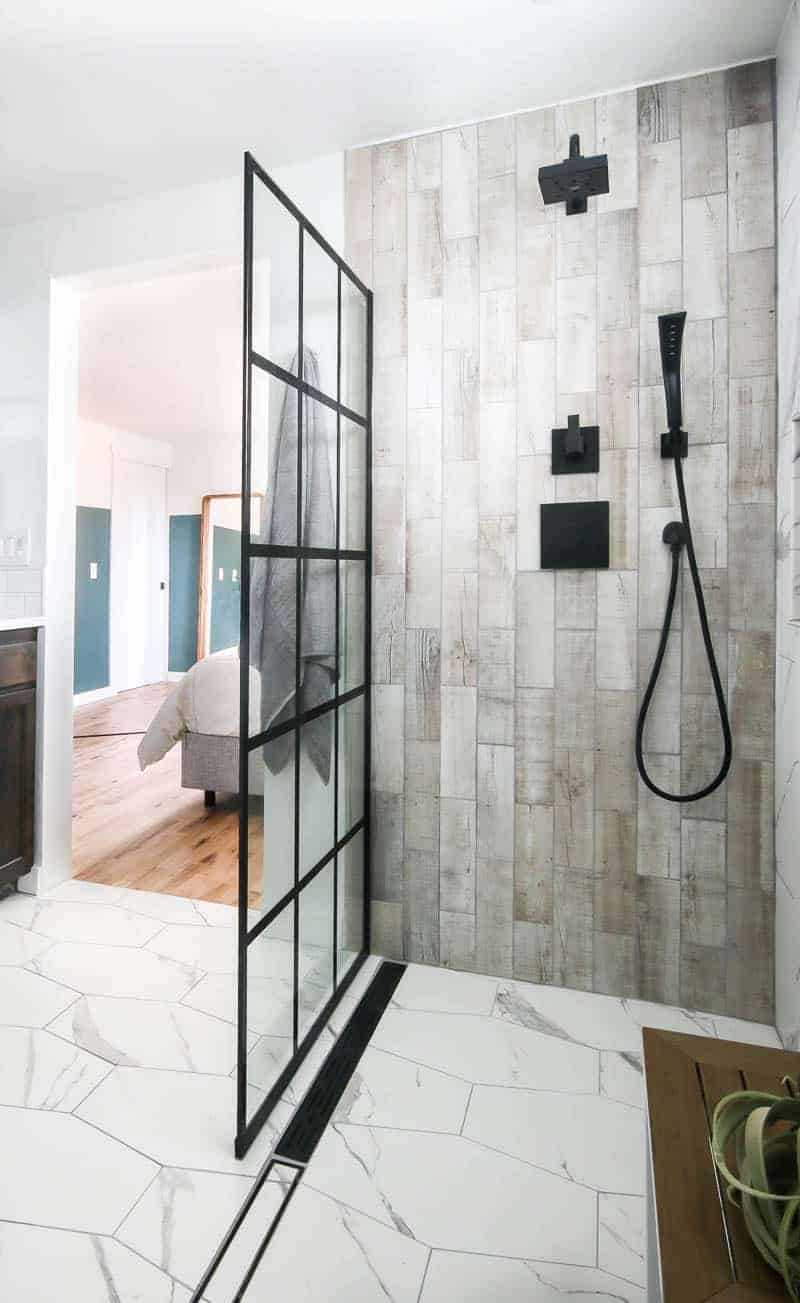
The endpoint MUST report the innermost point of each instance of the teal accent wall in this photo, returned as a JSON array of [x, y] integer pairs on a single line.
[[92, 613], [227, 558], [184, 590]]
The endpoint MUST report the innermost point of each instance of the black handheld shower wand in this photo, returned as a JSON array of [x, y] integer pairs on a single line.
[[677, 535]]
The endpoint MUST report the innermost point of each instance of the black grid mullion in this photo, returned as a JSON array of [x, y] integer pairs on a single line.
[[338, 652]]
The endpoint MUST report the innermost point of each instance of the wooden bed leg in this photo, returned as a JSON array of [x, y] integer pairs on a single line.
[[210, 799]]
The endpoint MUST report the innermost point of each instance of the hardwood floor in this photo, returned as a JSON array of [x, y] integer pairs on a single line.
[[144, 830]]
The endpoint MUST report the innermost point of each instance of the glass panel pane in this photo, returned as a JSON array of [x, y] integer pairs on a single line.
[[318, 631], [320, 309], [276, 254], [270, 847], [319, 475], [273, 599], [273, 469], [316, 947], [351, 765], [316, 791], [352, 614], [354, 347], [350, 903], [353, 486], [270, 998]]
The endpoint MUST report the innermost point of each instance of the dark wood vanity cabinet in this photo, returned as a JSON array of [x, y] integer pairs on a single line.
[[18, 648]]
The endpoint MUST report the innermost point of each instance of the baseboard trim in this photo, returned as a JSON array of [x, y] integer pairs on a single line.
[[95, 694]]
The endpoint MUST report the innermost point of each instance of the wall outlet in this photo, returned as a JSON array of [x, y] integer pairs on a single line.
[[92, 569], [15, 548]]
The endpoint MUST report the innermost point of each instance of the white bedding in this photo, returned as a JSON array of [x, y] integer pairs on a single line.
[[205, 700]]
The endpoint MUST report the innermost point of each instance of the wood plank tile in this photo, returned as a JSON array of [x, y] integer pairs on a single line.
[[386, 929], [703, 882], [573, 929], [751, 946], [701, 754], [535, 485], [575, 679], [616, 629], [658, 939], [617, 396], [496, 686], [460, 630], [389, 411], [460, 541], [461, 405], [576, 334], [657, 486], [423, 573], [536, 146], [424, 353], [423, 681], [576, 242], [705, 382], [461, 287], [750, 825], [537, 396], [421, 907], [660, 290], [388, 711], [388, 629], [618, 270], [388, 539], [574, 809], [658, 823], [535, 630], [425, 255], [496, 571], [533, 952], [498, 220], [498, 355], [696, 676], [617, 136], [576, 599], [703, 978], [424, 162], [705, 255], [421, 823], [750, 693], [495, 794], [615, 770], [387, 846], [751, 212], [752, 567], [663, 728], [457, 941], [534, 745], [536, 276], [494, 917], [424, 463], [708, 497], [458, 839], [615, 965], [617, 482], [752, 441], [459, 740], [533, 860], [660, 201], [703, 134], [655, 561], [615, 884], [496, 147], [749, 93], [660, 111], [574, 116], [460, 182], [498, 467]]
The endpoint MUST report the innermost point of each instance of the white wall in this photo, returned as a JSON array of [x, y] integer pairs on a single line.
[[787, 737], [38, 391]]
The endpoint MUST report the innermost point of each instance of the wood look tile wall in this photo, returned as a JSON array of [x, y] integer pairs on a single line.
[[512, 834]]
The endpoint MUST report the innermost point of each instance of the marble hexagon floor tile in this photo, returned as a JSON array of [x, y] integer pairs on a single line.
[[588, 1139], [449, 1192], [622, 1077], [67, 1173], [621, 1236], [42, 1263], [183, 1216], [386, 1091], [178, 909], [327, 1251], [82, 921], [492, 1051], [18, 944], [39, 1070], [28, 1000], [472, 1279], [94, 893], [150, 1034], [179, 1119], [115, 970], [440, 990]]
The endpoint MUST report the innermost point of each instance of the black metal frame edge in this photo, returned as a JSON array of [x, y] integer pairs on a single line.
[[246, 1131]]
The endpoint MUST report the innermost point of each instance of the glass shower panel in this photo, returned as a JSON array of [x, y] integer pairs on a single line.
[[315, 955], [353, 486], [275, 253], [354, 347], [270, 1005], [352, 617], [320, 316], [350, 903], [273, 472]]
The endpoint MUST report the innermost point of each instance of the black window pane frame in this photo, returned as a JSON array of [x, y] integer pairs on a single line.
[[247, 1128]]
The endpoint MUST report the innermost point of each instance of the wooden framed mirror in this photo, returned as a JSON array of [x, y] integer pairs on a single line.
[[220, 561]]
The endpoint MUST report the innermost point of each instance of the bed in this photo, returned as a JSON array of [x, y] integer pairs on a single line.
[[202, 714]]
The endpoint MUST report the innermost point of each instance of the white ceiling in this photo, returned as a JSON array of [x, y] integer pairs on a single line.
[[150, 365], [100, 99]]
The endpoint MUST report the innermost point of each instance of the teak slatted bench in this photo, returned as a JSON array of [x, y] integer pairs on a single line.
[[697, 1243]]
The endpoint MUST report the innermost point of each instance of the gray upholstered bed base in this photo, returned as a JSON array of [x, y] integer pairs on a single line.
[[210, 763]]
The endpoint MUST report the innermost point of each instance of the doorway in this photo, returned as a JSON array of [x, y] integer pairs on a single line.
[[138, 574]]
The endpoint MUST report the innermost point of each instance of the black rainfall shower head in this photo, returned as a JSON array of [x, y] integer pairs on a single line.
[[670, 333], [572, 181]]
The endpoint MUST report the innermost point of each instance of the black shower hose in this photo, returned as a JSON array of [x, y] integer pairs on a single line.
[[677, 539]]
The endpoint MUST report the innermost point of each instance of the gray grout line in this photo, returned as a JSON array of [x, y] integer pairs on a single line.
[[424, 1276]]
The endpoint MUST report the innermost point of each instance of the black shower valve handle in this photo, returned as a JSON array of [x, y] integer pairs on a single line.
[[675, 535], [574, 441]]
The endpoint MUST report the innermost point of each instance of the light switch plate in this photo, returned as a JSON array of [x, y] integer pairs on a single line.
[[15, 549], [92, 569]]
